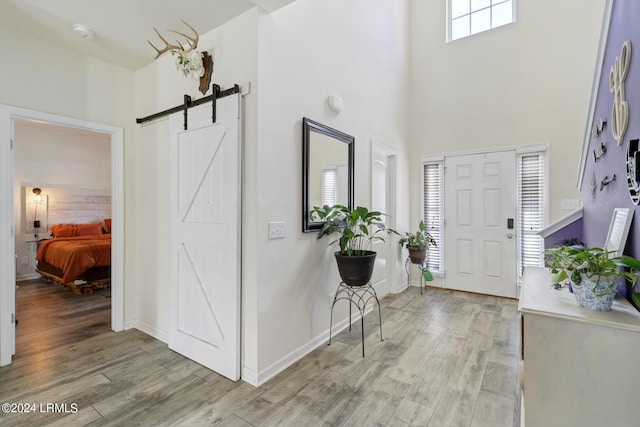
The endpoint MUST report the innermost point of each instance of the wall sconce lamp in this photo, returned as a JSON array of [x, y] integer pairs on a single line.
[[36, 222]]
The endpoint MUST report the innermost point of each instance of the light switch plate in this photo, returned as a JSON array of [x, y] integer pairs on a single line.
[[277, 230], [570, 204]]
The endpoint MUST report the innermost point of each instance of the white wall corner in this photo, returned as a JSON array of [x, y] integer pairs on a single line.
[[149, 330], [271, 5], [259, 378], [249, 376]]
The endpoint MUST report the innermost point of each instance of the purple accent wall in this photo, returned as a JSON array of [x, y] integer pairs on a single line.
[[597, 210], [571, 231]]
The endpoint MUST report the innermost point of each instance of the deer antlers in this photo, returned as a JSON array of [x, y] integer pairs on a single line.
[[193, 42]]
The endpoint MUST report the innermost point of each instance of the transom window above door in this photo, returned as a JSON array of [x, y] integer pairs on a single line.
[[467, 17]]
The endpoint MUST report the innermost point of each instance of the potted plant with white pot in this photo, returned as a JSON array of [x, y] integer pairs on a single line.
[[417, 244], [593, 272], [356, 229]]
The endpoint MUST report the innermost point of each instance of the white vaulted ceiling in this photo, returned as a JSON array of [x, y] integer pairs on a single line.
[[122, 27]]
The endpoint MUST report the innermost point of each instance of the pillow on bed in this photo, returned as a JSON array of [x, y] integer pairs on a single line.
[[87, 229], [107, 225], [62, 230], [73, 230]]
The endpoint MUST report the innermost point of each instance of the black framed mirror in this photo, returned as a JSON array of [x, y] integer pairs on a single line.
[[327, 170]]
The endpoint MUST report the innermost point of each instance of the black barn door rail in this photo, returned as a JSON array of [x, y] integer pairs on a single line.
[[188, 103]]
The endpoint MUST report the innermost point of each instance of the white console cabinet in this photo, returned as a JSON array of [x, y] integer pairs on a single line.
[[581, 367]]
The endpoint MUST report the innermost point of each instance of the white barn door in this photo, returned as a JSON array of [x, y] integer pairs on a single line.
[[480, 239], [205, 236]]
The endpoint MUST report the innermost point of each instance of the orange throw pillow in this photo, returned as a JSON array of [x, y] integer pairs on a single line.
[[88, 229], [62, 230]]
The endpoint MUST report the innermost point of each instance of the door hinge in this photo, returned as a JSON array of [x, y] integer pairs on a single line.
[[12, 231], [13, 318], [11, 144]]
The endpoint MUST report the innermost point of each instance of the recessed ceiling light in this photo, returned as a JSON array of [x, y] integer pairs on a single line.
[[83, 31]]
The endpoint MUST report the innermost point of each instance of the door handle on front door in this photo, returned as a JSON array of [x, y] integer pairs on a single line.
[[509, 236]]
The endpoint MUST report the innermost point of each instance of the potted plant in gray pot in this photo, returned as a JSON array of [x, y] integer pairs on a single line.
[[355, 229], [593, 272]]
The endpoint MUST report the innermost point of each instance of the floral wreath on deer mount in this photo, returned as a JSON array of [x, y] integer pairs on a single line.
[[191, 62]]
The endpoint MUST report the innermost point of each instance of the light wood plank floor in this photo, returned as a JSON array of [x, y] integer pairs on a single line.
[[448, 359]]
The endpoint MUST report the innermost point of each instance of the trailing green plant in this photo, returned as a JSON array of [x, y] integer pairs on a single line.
[[571, 241], [418, 240], [426, 273], [356, 228], [595, 263]]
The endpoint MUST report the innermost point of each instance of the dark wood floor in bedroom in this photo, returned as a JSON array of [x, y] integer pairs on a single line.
[[448, 359], [50, 316]]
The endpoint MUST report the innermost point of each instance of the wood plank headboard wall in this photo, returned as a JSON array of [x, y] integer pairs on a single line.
[[65, 205]]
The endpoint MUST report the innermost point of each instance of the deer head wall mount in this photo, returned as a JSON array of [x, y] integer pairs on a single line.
[[192, 63]]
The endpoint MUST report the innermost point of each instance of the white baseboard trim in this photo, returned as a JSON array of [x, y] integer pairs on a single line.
[[249, 376], [130, 324], [402, 288], [257, 379], [147, 329], [30, 276]]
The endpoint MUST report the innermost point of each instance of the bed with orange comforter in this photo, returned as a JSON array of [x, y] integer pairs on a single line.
[[81, 263]]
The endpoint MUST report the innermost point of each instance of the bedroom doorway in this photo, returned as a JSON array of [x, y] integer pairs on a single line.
[[8, 235]]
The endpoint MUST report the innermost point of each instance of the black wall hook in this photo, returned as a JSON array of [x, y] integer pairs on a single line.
[[606, 181]]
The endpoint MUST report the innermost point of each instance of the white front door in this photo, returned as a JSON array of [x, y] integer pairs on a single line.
[[480, 206], [383, 200], [205, 236]]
